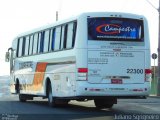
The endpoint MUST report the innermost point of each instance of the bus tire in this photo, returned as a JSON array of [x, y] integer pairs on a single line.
[[102, 103], [17, 87], [51, 100], [22, 98]]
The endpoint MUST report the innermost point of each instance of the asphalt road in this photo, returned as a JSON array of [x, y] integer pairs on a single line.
[[38, 109]]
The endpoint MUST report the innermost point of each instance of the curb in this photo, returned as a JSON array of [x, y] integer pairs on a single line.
[[154, 96]]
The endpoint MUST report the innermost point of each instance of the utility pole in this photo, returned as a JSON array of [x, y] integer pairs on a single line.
[[158, 82], [58, 12], [56, 15]]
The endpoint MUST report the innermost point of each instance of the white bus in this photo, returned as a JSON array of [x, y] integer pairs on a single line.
[[98, 56]]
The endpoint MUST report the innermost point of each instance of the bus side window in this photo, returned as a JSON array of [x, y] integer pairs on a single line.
[[70, 34], [49, 39], [39, 39], [17, 50], [31, 45], [74, 33], [27, 46], [23, 46], [41, 49], [35, 43], [64, 37], [52, 39], [46, 40], [20, 47], [57, 38]]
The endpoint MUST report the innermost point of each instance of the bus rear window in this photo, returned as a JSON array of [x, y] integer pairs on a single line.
[[115, 29]]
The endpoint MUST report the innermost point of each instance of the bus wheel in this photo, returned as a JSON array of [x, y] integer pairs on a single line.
[[22, 98], [17, 87], [101, 103], [51, 100]]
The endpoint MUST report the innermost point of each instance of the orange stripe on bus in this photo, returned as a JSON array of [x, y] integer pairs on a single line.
[[39, 76]]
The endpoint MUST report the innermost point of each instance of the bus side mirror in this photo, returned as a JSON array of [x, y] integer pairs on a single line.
[[7, 57]]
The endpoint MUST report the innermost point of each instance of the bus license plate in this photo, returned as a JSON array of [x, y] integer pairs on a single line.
[[116, 81]]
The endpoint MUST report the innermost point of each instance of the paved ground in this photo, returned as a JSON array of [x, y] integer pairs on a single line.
[[38, 109]]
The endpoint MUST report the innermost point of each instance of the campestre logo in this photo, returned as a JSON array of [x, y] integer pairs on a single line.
[[113, 29]]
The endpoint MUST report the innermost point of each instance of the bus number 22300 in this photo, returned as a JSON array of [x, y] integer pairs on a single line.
[[135, 71]]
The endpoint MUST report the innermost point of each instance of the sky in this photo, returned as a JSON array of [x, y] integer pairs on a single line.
[[18, 16]]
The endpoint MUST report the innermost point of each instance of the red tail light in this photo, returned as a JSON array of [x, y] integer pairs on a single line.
[[83, 70], [148, 75], [82, 74], [148, 71]]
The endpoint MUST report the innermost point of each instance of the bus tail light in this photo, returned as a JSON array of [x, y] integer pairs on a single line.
[[82, 73], [148, 75], [148, 71]]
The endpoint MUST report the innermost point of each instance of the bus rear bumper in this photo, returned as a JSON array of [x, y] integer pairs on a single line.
[[114, 90]]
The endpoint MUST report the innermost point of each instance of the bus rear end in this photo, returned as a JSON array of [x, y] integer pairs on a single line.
[[117, 58]]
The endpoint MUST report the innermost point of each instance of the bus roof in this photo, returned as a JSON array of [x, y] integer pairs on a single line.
[[57, 23]]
